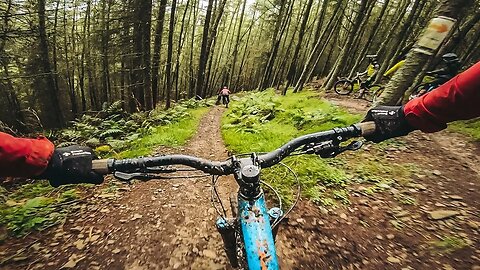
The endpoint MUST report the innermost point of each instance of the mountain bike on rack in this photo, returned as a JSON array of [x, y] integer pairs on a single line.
[[367, 91], [249, 235]]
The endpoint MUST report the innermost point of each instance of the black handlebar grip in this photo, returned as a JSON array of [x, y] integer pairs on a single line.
[[100, 166]]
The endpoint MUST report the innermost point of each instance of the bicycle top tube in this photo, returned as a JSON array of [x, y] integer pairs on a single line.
[[106, 166]]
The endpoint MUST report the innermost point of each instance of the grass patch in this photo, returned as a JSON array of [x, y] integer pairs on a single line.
[[263, 121], [174, 134], [449, 244], [470, 128]]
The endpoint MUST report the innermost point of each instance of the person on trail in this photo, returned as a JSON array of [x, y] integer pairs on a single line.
[[373, 67], [223, 94], [38, 158], [455, 100]]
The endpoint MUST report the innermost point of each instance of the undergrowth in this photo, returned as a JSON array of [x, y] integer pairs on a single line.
[[263, 121], [112, 130], [35, 206]]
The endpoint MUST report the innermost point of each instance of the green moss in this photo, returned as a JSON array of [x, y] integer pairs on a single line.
[[174, 134], [449, 244], [470, 128]]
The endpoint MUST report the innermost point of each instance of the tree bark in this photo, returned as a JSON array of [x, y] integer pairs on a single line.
[[277, 36], [157, 47], [203, 52], [343, 55], [51, 112], [168, 68], [293, 66]]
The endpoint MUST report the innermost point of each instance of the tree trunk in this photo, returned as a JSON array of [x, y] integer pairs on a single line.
[[231, 71], [168, 68], [315, 55], [51, 112], [277, 36], [203, 52], [15, 116], [181, 41], [343, 55], [293, 66], [106, 90], [370, 38], [157, 47], [211, 40], [474, 46], [141, 76], [388, 56]]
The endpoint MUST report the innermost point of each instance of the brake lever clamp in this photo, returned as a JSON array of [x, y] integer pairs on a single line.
[[330, 149], [353, 146]]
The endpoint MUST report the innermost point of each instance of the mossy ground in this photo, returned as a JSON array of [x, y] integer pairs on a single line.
[[470, 128]]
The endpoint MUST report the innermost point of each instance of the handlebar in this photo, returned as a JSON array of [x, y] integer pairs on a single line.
[[106, 166]]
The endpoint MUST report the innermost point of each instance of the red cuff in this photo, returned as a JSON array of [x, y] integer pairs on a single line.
[[21, 157]]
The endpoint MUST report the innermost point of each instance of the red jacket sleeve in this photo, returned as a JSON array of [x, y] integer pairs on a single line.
[[457, 99], [23, 157]]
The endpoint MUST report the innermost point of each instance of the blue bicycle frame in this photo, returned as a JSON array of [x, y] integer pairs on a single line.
[[257, 234]]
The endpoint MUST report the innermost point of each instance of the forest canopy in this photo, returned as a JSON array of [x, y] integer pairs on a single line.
[[61, 59]]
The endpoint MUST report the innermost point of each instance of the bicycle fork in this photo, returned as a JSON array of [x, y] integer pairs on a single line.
[[227, 228]]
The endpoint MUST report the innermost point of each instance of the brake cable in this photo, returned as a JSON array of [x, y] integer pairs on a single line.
[[299, 190]]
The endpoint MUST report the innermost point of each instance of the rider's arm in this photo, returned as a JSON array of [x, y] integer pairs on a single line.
[[458, 99], [23, 157], [38, 158]]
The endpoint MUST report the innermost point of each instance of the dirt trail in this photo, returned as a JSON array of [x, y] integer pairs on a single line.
[[160, 224]]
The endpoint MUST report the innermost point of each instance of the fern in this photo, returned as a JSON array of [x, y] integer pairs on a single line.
[[112, 133]]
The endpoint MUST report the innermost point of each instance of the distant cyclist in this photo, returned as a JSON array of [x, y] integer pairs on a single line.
[[451, 66], [450, 69], [373, 67], [224, 96]]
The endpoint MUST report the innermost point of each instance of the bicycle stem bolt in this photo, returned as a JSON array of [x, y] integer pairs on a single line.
[[250, 173]]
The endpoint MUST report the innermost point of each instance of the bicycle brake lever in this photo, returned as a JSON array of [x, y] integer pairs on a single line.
[[137, 175], [335, 150]]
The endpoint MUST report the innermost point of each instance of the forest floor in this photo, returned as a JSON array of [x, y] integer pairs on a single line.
[[169, 224]]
